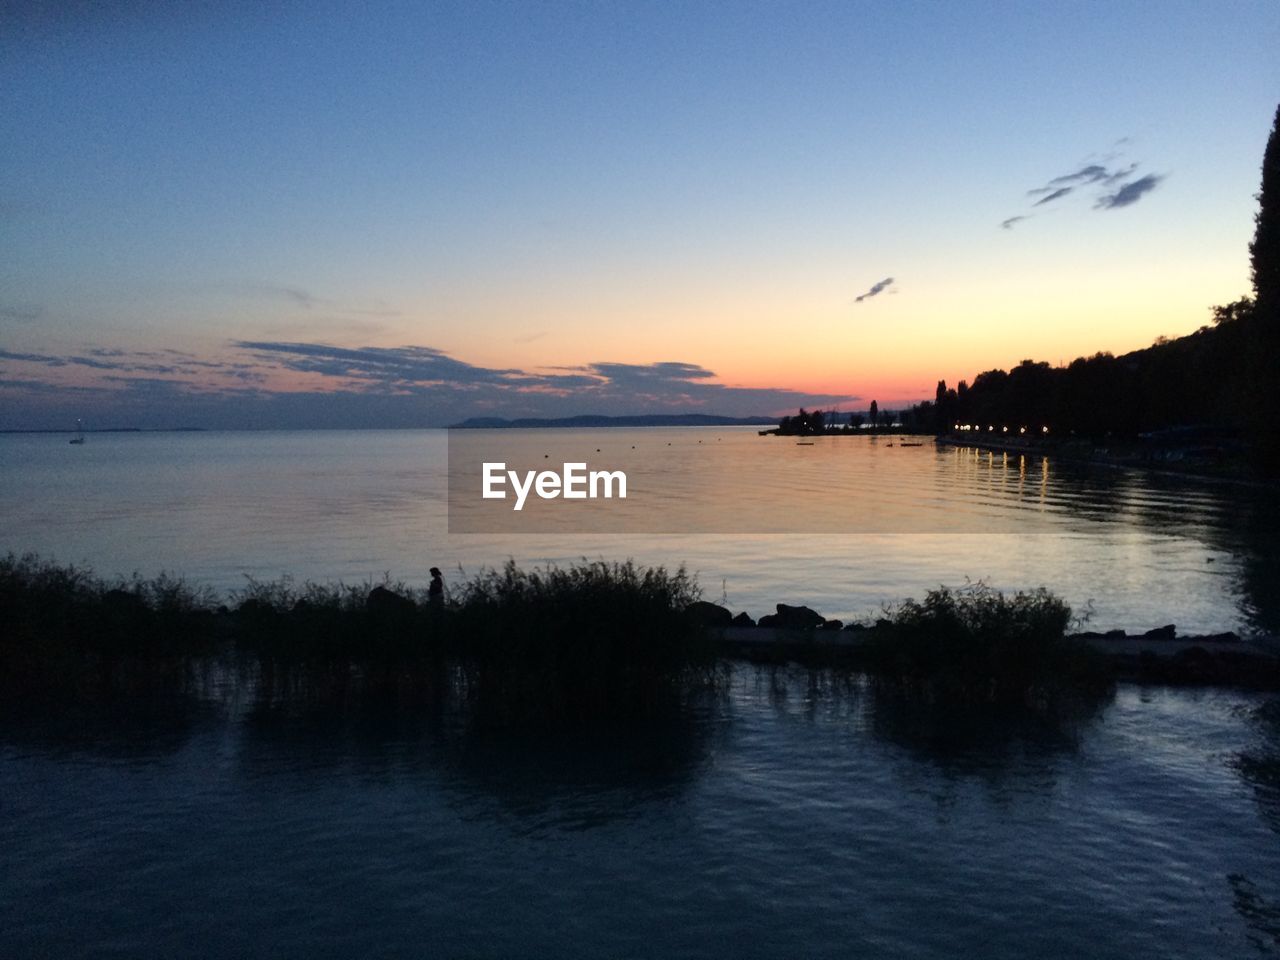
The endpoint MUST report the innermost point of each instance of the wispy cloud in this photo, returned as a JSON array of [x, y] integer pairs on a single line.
[[1106, 182], [1130, 193], [876, 289], [1060, 192], [1090, 173], [354, 386]]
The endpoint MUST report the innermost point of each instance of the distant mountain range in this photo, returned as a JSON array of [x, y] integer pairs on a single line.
[[652, 420]]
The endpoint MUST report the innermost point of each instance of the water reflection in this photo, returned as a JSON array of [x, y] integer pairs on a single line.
[[793, 812], [1260, 914], [992, 743], [531, 777], [130, 711]]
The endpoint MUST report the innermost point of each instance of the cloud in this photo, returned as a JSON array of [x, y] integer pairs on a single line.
[[1087, 174], [385, 365], [1060, 192], [409, 386], [1118, 175], [876, 289], [33, 358], [1130, 193], [113, 360], [1101, 177], [634, 374]]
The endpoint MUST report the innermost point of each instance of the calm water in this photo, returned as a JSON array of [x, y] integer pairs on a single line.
[[1140, 550], [790, 815], [786, 817]]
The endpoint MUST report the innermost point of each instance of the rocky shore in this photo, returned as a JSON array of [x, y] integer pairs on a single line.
[[802, 635]]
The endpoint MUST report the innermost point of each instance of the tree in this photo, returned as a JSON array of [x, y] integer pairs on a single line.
[[1239, 310], [1263, 401], [1264, 250]]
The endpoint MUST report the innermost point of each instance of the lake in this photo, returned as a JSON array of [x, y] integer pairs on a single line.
[[787, 813], [1136, 550]]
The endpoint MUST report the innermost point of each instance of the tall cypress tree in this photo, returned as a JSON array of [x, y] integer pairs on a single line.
[[1264, 256], [1264, 251]]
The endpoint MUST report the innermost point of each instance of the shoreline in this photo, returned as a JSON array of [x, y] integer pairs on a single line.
[[1156, 656], [1093, 457]]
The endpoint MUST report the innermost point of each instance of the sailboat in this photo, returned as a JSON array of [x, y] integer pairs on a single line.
[[79, 437]]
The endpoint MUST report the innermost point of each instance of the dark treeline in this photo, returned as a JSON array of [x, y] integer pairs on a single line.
[[1224, 377], [1196, 380], [1193, 380]]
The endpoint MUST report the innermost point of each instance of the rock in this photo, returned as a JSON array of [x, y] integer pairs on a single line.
[[798, 618], [769, 620], [1115, 634], [706, 614], [387, 604], [1167, 632], [833, 625], [742, 620]]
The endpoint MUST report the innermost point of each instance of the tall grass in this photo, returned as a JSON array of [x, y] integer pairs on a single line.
[[976, 643], [587, 640]]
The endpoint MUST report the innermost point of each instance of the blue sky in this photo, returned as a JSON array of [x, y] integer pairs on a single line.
[[545, 188]]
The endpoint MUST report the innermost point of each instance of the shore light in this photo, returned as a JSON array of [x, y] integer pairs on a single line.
[[1022, 429], [1044, 429]]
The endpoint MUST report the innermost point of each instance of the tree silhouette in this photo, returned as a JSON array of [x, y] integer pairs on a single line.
[[1264, 250], [1264, 257], [874, 413]]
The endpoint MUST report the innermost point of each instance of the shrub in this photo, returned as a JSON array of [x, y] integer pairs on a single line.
[[977, 643], [586, 638]]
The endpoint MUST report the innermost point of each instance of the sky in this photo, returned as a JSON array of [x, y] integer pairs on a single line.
[[277, 214]]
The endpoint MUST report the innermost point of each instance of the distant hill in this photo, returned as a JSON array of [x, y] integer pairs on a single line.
[[652, 420]]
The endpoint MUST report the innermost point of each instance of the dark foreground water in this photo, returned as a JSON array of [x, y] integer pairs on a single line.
[[788, 816]]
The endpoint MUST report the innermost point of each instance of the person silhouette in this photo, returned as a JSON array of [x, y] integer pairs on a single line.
[[435, 592]]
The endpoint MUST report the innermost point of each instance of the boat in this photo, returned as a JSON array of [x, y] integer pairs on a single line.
[[79, 437]]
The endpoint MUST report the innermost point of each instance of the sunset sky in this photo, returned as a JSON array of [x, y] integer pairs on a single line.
[[324, 214]]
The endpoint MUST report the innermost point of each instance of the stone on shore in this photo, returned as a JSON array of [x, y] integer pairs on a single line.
[[793, 618], [706, 614]]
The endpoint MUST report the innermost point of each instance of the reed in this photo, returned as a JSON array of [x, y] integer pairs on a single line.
[[976, 643]]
